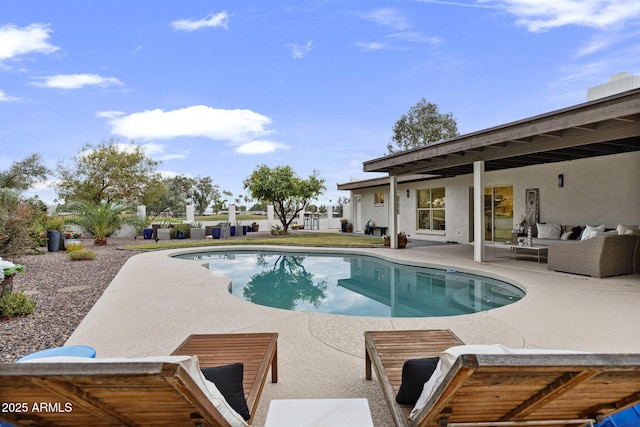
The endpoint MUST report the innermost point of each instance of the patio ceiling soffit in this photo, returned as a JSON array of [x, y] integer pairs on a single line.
[[605, 126]]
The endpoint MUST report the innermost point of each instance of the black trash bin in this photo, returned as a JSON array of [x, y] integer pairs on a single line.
[[53, 240]]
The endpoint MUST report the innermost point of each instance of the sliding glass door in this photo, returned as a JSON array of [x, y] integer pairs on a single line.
[[498, 213]]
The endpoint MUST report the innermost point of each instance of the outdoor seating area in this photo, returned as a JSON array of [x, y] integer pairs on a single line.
[[316, 359]]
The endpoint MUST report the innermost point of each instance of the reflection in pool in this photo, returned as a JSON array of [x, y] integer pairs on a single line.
[[354, 284]]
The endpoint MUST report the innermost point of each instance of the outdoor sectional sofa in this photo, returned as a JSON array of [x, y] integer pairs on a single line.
[[599, 256]]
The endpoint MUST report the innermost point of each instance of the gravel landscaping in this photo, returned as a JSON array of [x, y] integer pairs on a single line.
[[64, 292]]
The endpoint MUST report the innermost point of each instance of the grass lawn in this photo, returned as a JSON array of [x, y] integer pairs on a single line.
[[308, 239]]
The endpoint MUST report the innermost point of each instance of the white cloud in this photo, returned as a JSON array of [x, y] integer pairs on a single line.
[[372, 45], [197, 121], [300, 51], [220, 19], [6, 98], [109, 114], [16, 41], [416, 37], [403, 38], [76, 81], [454, 3], [388, 17], [543, 15], [261, 147]]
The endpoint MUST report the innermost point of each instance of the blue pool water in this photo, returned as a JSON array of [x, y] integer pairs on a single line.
[[354, 284]]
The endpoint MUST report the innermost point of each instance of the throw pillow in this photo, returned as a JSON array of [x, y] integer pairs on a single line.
[[627, 229], [415, 373], [591, 231], [228, 379], [576, 232], [548, 231]]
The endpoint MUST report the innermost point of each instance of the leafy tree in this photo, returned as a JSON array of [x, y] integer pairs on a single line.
[[109, 172], [258, 207], [103, 219], [23, 174], [422, 125], [282, 187], [204, 193], [177, 191], [172, 197]]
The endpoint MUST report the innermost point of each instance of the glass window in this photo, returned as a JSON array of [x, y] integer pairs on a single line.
[[378, 199], [431, 209]]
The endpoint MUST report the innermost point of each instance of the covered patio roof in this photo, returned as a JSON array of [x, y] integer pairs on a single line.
[[604, 126]]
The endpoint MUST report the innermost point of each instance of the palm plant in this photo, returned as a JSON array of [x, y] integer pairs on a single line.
[[103, 219]]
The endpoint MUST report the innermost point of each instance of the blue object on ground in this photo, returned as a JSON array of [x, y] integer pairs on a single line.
[[627, 418], [67, 350]]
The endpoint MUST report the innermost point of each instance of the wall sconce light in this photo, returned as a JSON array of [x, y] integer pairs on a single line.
[[561, 180], [408, 193]]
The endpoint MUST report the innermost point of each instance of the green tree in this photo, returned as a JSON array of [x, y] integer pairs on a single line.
[[282, 187], [103, 219], [23, 174], [423, 124], [109, 172], [172, 196], [204, 193]]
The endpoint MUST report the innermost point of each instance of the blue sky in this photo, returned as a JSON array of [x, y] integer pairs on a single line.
[[214, 88]]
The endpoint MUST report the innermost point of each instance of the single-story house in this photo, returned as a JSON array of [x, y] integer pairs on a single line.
[[575, 166]]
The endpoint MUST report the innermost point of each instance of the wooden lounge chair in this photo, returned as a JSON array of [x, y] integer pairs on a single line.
[[132, 393], [257, 351], [530, 389]]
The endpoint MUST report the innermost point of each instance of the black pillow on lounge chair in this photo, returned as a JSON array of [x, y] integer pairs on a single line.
[[228, 379], [415, 372]]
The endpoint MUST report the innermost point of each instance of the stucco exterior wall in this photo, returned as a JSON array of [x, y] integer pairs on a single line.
[[599, 190]]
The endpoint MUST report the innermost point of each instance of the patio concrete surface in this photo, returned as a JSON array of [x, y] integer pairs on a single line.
[[156, 301]]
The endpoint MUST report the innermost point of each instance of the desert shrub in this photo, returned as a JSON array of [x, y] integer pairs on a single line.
[[16, 225], [82, 255], [73, 247], [277, 230], [16, 304]]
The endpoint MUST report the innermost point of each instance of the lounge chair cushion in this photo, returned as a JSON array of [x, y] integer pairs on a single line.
[[228, 379], [415, 373], [190, 365], [449, 356]]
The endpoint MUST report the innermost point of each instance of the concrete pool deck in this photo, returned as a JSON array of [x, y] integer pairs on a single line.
[[156, 301]]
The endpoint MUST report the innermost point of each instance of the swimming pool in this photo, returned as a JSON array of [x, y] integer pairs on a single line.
[[357, 285]]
